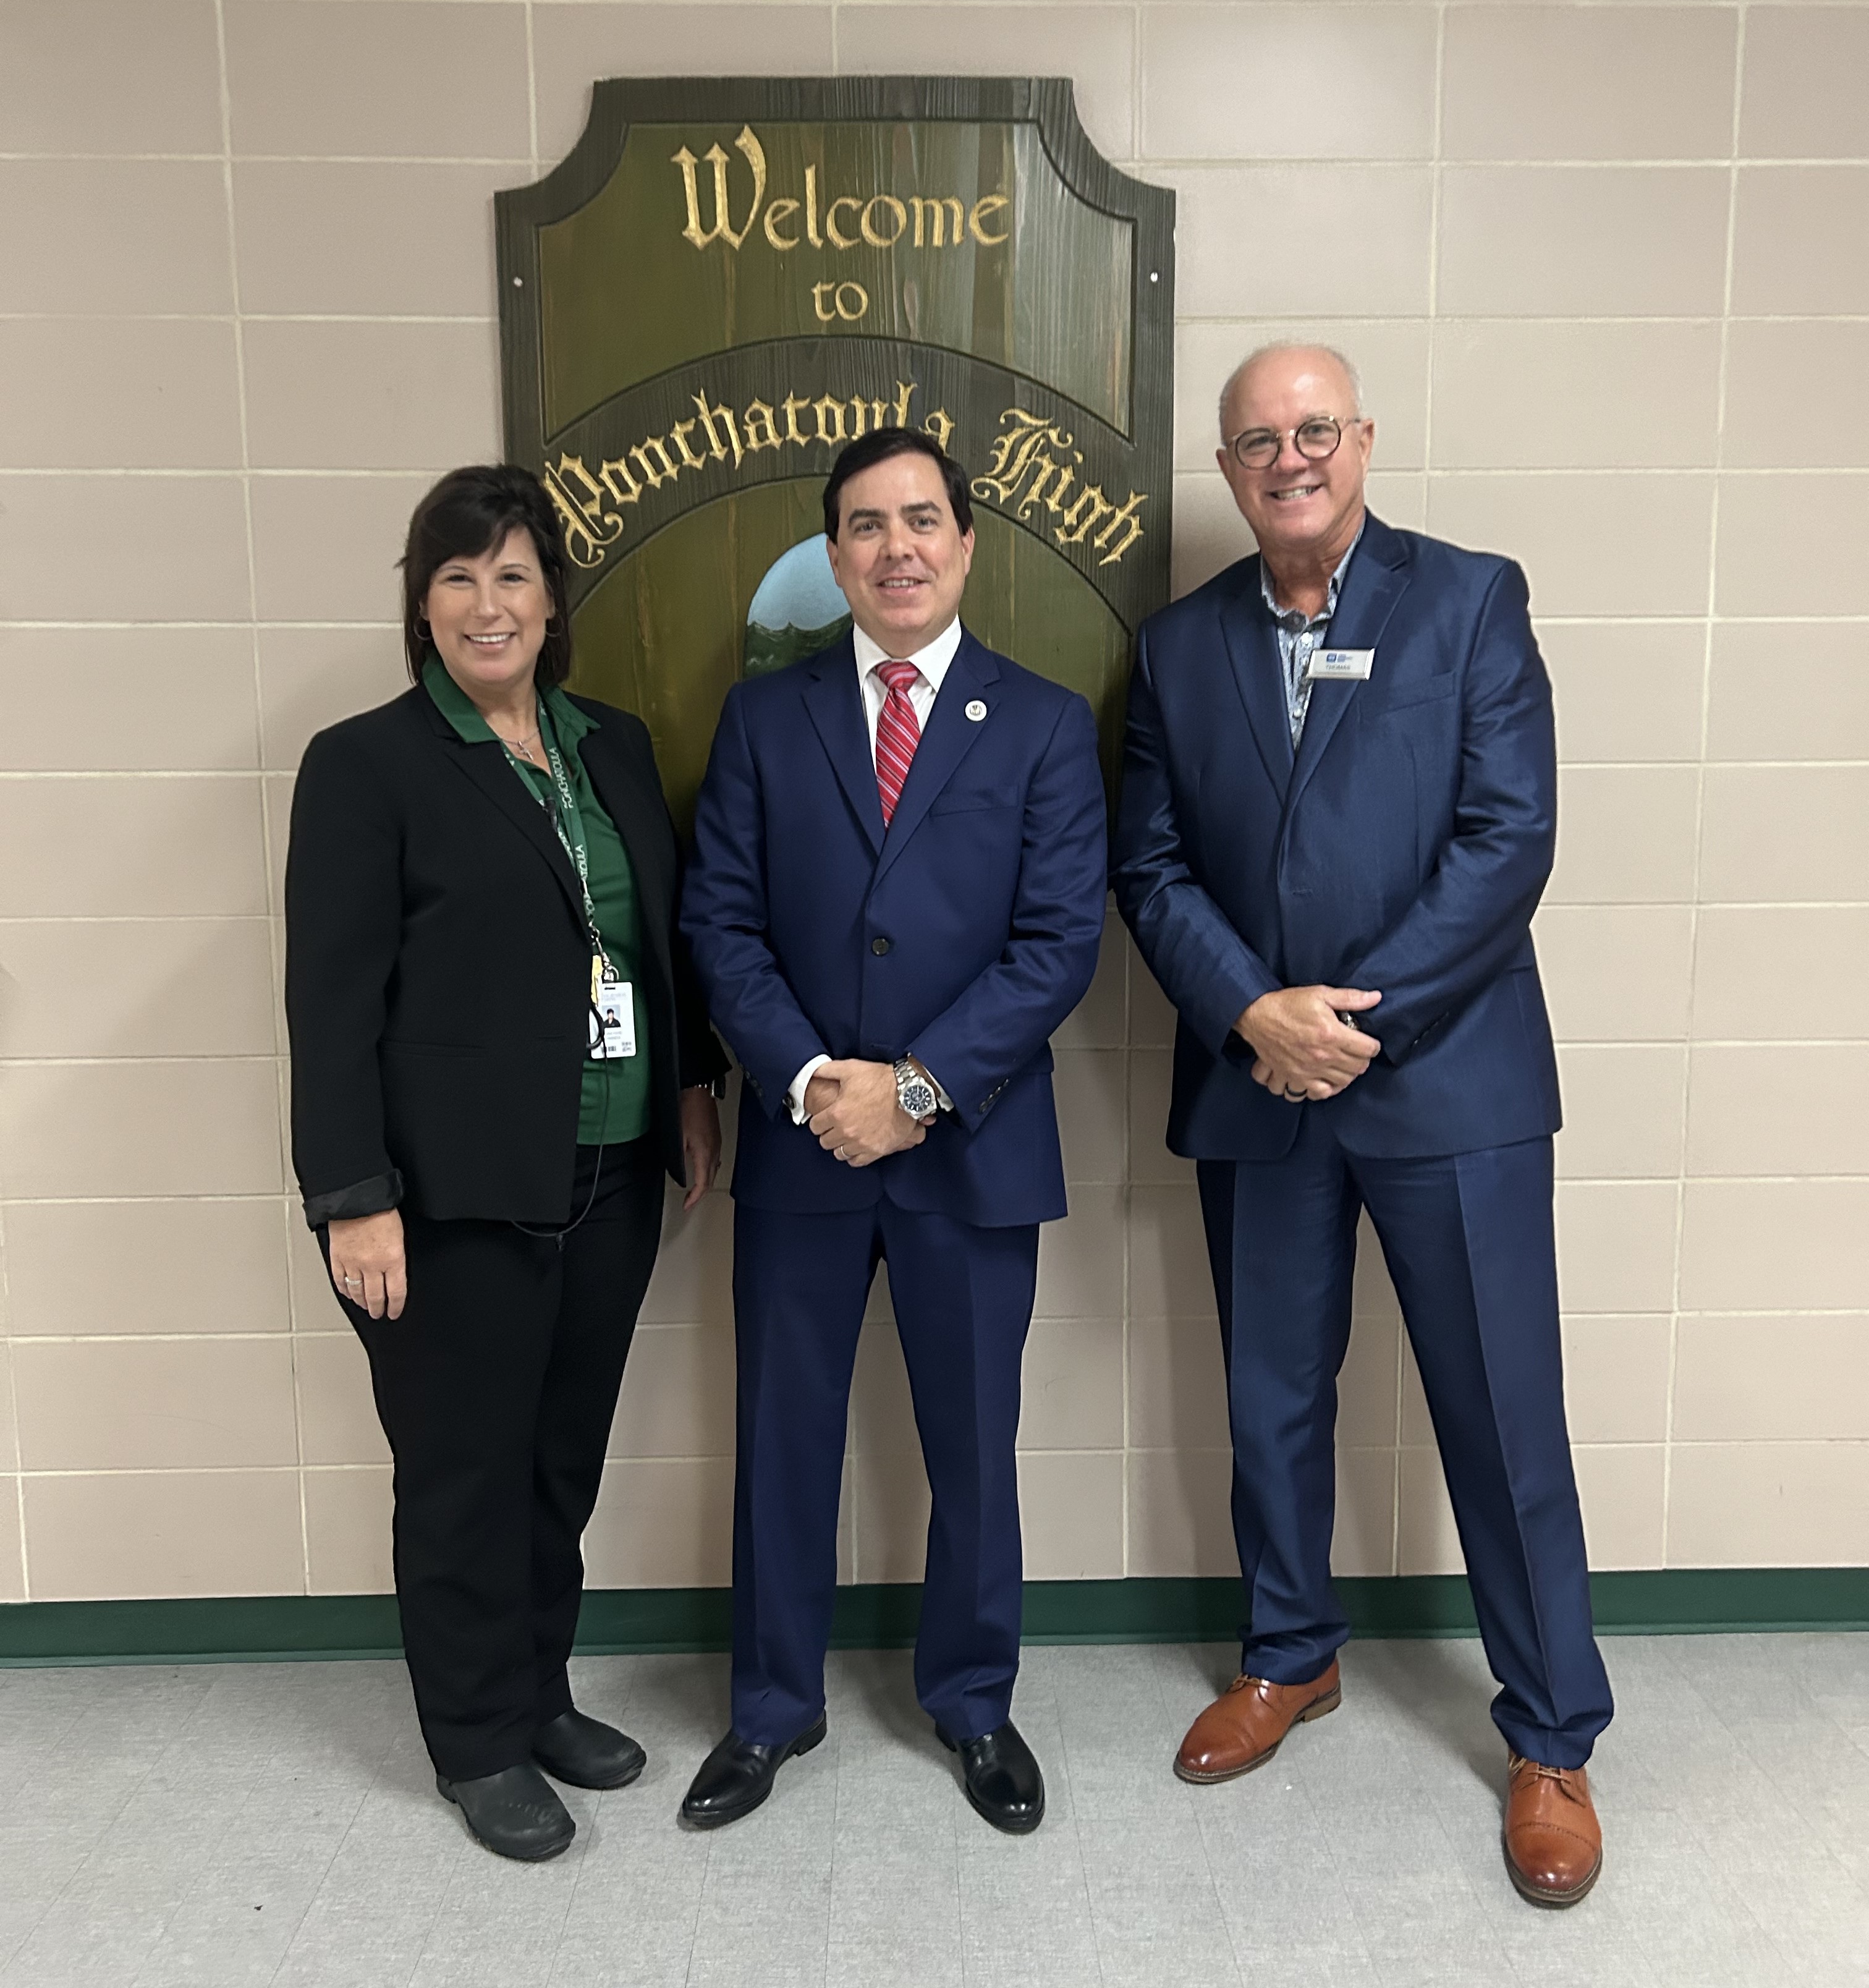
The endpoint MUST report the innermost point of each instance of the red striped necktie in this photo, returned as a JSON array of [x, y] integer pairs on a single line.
[[898, 732]]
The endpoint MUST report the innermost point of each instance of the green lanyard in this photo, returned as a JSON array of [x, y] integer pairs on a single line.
[[569, 825]]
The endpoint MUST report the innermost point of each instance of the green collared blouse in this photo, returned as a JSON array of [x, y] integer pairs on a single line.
[[614, 1107]]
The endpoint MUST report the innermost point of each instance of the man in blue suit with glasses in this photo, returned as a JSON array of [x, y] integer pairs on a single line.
[[1339, 812], [897, 896]]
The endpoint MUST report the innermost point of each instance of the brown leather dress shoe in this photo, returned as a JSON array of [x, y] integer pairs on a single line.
[[1242, 1729], [1554, 1841]]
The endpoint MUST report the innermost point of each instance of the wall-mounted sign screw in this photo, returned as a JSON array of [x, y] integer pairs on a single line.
[[518, 282], [1154, 276]]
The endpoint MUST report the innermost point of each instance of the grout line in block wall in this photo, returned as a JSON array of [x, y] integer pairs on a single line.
[[303, 471], [1132, 962], [1404, 162], [1700, 773], [1694, 621], [1385, 319], [1135, 147], [531, 91], [374, 624], [1427, 434], [191, 1470], [259, 708], [382, 1467], [1632, 904], [1137, 162], [12, 1412], [268, 1057]]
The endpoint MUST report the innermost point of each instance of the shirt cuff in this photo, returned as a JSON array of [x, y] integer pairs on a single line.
[[374, 1196], [795, 1096]]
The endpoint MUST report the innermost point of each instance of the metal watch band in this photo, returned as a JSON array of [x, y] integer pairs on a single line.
[[913, 1089]]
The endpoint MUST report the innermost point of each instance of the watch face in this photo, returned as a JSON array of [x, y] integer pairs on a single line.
[[915, 1097]]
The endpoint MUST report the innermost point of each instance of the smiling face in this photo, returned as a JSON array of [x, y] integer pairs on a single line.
[[899, 556], [1302, 513], [488, 616]]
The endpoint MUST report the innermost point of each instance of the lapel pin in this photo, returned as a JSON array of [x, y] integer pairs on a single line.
[[976, 711]]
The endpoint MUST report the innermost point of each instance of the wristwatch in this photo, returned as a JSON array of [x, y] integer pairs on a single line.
[[914, 1093]]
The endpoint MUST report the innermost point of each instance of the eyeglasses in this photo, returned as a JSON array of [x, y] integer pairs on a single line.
[[1316, 440]]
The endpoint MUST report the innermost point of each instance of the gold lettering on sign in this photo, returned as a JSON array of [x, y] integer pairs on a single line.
[[725, 416], [936, 213], [1032, 462], [992, 202], [893, 209], [751, 150], [780, 211], [838, 238], [866, 218], [848, 301], [616, 478], [657, 470], [760, 432], [590, 504], [579, 500]]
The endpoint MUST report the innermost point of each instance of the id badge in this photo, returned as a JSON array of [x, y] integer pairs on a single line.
[[615, 1018], [1340, 666]]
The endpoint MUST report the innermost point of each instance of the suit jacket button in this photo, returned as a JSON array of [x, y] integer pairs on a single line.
[[879, 947]]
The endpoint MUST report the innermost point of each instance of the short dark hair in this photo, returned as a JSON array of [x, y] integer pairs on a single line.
[[469, 513], [878, 446]]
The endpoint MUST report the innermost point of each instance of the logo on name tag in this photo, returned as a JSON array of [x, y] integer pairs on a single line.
[[1340, 666]]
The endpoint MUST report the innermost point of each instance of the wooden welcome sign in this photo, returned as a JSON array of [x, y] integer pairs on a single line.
[[726, 280]]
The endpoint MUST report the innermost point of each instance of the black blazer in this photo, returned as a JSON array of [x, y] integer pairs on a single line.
[[437, 970]]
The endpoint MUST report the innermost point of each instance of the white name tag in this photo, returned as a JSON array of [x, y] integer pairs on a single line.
[[1340, 666], [614, 1020]]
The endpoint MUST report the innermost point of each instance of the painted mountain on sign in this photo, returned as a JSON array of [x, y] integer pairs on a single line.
[[796, 609]]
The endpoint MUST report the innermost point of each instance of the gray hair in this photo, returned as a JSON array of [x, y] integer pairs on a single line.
[[1290, 345]]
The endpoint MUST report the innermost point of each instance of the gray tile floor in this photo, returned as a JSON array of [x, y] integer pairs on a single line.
[[205, 1826]]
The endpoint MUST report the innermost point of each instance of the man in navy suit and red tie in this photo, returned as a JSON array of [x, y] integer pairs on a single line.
[[897, 896], [1339, 811]]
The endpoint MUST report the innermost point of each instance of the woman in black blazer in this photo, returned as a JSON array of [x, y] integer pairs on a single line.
[[498, 1050]]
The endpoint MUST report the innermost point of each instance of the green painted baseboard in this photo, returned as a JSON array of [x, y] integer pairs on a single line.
[[284, 1628]]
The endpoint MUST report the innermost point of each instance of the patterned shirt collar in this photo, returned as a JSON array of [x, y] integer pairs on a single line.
[[1298, 636], [1292, 619]]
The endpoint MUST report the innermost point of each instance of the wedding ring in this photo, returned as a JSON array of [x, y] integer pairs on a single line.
[[354, 1283], [1294, 1096]]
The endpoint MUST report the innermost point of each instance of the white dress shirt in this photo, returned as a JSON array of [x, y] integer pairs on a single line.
[[933, 662]]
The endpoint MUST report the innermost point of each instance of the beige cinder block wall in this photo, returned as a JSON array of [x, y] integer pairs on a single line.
[[1606, 270]]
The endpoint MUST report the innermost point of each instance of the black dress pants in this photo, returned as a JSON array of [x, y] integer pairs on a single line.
[[496, 1389]]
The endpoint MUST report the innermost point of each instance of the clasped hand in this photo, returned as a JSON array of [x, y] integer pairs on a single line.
[[1302, 1049], [854, 1112]]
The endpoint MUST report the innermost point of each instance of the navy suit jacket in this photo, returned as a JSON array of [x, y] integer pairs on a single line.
[[963, 936], [1403, 848]]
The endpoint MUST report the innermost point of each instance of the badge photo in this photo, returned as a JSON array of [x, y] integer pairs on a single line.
[[614, 1020]]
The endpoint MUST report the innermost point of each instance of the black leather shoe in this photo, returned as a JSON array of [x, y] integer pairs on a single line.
[[586, 1752], [515, 1812], [1002, 1778], [738, 1776]]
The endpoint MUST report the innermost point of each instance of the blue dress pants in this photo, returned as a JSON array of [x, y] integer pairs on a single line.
[[963, 1300], [1469, 1243]]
